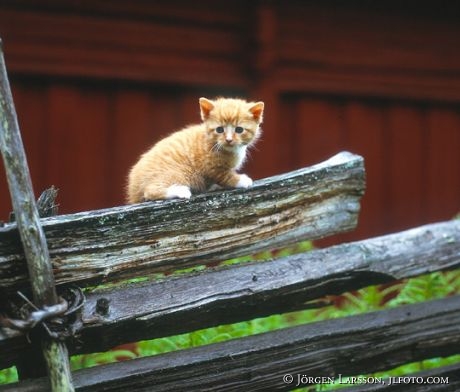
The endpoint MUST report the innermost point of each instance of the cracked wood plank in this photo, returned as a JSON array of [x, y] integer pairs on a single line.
[[119, 243], [246, 291]]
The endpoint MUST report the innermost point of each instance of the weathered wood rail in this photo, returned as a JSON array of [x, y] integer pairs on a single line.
[[352, 345], [309, 203], [185, 303], [119, 243]]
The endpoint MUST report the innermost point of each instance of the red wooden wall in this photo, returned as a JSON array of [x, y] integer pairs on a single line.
[[96, 84]]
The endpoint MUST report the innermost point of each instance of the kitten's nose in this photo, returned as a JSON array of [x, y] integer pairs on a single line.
[[229, 141]]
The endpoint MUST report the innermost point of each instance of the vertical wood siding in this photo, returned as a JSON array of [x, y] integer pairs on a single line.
[[83, 140], [411, 151], [95, 87]]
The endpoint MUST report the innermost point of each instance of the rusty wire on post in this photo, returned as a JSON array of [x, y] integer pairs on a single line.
[[32, 235]]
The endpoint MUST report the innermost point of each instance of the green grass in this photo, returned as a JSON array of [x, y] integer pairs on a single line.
[[423, 288], [8, 375]]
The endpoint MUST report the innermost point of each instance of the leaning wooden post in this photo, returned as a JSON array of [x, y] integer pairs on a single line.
[[32, 235]]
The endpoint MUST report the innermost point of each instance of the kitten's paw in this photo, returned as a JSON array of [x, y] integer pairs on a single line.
[[244, 181], [178, 191]]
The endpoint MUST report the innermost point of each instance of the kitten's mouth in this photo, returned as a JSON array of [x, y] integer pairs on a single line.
[[230, 146]]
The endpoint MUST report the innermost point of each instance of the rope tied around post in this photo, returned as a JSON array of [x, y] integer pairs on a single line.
[[57, 320]]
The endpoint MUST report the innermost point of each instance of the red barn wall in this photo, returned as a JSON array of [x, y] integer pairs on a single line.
[[97, 84]]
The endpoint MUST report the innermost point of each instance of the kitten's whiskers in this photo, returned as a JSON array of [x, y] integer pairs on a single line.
[[216, 147]]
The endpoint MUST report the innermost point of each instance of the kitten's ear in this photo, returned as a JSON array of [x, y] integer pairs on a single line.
[[206, 106], [257, 110]]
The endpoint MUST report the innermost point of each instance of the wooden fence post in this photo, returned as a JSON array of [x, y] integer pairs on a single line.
[[32, 235]]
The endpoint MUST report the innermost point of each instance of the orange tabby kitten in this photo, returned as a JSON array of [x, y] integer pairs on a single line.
[[199, 156]]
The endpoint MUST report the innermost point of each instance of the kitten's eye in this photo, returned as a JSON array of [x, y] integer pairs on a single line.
[[239, 129], [220, 129]]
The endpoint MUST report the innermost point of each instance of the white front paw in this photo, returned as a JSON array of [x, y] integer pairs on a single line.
[[244, 181], [178, 191]]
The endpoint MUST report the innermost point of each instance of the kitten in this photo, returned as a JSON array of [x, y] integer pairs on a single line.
[[199, 156]]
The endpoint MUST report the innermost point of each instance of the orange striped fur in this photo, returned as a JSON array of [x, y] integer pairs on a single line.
[[199, 156]]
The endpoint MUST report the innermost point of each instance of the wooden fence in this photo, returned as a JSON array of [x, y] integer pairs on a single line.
[[113, 245]]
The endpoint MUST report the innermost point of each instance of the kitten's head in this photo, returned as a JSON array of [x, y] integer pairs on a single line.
[[231, 123]]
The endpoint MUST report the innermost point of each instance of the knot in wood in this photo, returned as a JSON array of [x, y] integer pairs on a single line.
[[102, 306]]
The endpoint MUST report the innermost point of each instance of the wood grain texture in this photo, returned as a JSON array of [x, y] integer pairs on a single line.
[[123, 242], [28, 225], [238, 293], [442, 178], [91, 44], [348, 346], [405, 150], [213, 43], [365, 135]]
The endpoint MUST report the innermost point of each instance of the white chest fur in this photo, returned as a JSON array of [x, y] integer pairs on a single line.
[[240, 152]]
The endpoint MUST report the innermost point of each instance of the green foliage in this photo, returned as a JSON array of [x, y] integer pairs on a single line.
[[8, 375], [424, 288]]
